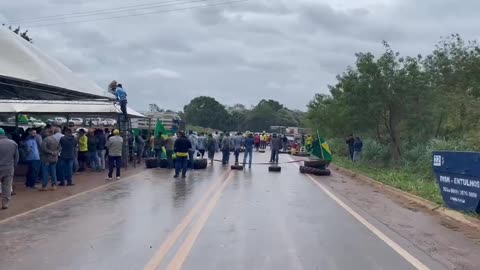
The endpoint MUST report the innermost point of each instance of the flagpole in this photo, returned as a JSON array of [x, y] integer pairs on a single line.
[[320, 144]]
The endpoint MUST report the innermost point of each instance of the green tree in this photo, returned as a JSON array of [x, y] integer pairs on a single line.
[[453, 70], [380, 98], [206, 112]]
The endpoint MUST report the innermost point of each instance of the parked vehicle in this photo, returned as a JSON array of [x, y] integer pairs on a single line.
[[76, 121], [97, 121], [32, 121], [109, 122], [57, 121], [36, 122]]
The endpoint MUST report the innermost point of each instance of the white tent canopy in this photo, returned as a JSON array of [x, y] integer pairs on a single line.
[[21, 60], [62, 107]]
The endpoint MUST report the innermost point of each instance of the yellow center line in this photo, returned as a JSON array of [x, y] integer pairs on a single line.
[[187, 245], [157, 259]]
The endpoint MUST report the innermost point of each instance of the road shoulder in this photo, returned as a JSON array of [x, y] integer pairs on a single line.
[[451, 243], [448, 213]]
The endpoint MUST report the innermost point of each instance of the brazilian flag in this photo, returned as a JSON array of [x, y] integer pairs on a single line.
[[160, 128], [321, 149]]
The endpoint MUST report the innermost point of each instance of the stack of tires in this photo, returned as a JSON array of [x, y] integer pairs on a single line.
[[315, 167], [200, 164], [163, 164], [151, 163]]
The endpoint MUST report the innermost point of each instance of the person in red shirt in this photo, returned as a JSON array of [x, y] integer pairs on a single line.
[[257, 141]]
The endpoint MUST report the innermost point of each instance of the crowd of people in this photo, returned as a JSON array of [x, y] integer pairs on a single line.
[[187, 148], [53, 155]]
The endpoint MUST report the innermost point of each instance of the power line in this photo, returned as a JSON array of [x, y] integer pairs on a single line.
[[100, 11], [121, 11], [139, 14]]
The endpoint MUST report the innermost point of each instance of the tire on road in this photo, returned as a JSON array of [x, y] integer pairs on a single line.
[[319, 164], [302, 154], [274, 168], [236, 167], [151, 163], [163, 163], [315, 171], [200, 164]]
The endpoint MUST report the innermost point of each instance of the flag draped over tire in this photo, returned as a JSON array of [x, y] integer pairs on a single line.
[[321, 149]]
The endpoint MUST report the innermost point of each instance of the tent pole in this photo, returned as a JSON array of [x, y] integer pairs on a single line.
[[16, 121], [68, 120]]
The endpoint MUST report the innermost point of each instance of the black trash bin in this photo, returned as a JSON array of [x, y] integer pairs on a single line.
[[458, 176]]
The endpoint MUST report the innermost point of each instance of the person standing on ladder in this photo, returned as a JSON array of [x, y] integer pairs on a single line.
[[122, 98]]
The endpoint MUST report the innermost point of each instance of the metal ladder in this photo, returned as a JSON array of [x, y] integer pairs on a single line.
[[125, 127]]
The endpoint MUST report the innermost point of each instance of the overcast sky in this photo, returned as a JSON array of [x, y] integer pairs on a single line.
[[286, 50]]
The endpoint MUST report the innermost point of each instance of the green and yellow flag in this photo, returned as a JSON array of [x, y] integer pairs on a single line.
[[321, 149], [160, 128]]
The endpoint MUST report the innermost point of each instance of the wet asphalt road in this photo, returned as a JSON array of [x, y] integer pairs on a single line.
[[214, 219]]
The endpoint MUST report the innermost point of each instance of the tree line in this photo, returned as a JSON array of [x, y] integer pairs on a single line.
[[402, 101], [209, 113]]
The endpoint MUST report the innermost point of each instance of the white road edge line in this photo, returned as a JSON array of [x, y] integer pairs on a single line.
[[66, 198], [397, 248]]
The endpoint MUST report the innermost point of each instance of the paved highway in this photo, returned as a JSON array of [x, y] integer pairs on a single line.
[[213, 219]]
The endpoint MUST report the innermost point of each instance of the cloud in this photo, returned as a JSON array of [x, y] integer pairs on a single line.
[[165, 73], [238, 53]]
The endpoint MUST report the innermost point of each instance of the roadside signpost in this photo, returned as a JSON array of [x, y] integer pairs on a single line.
[[458, 176]]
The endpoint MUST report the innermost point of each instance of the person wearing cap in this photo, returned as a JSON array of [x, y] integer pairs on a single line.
[[32, 157], [82, 149], [8, 161], [114, 146], [181, 147], [50, 149]]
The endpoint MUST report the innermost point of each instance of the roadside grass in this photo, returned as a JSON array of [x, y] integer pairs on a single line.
[[400, 178]]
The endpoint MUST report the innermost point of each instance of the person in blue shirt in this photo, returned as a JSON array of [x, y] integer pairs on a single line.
[[249, 143], [32, 158], [122, 98]]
